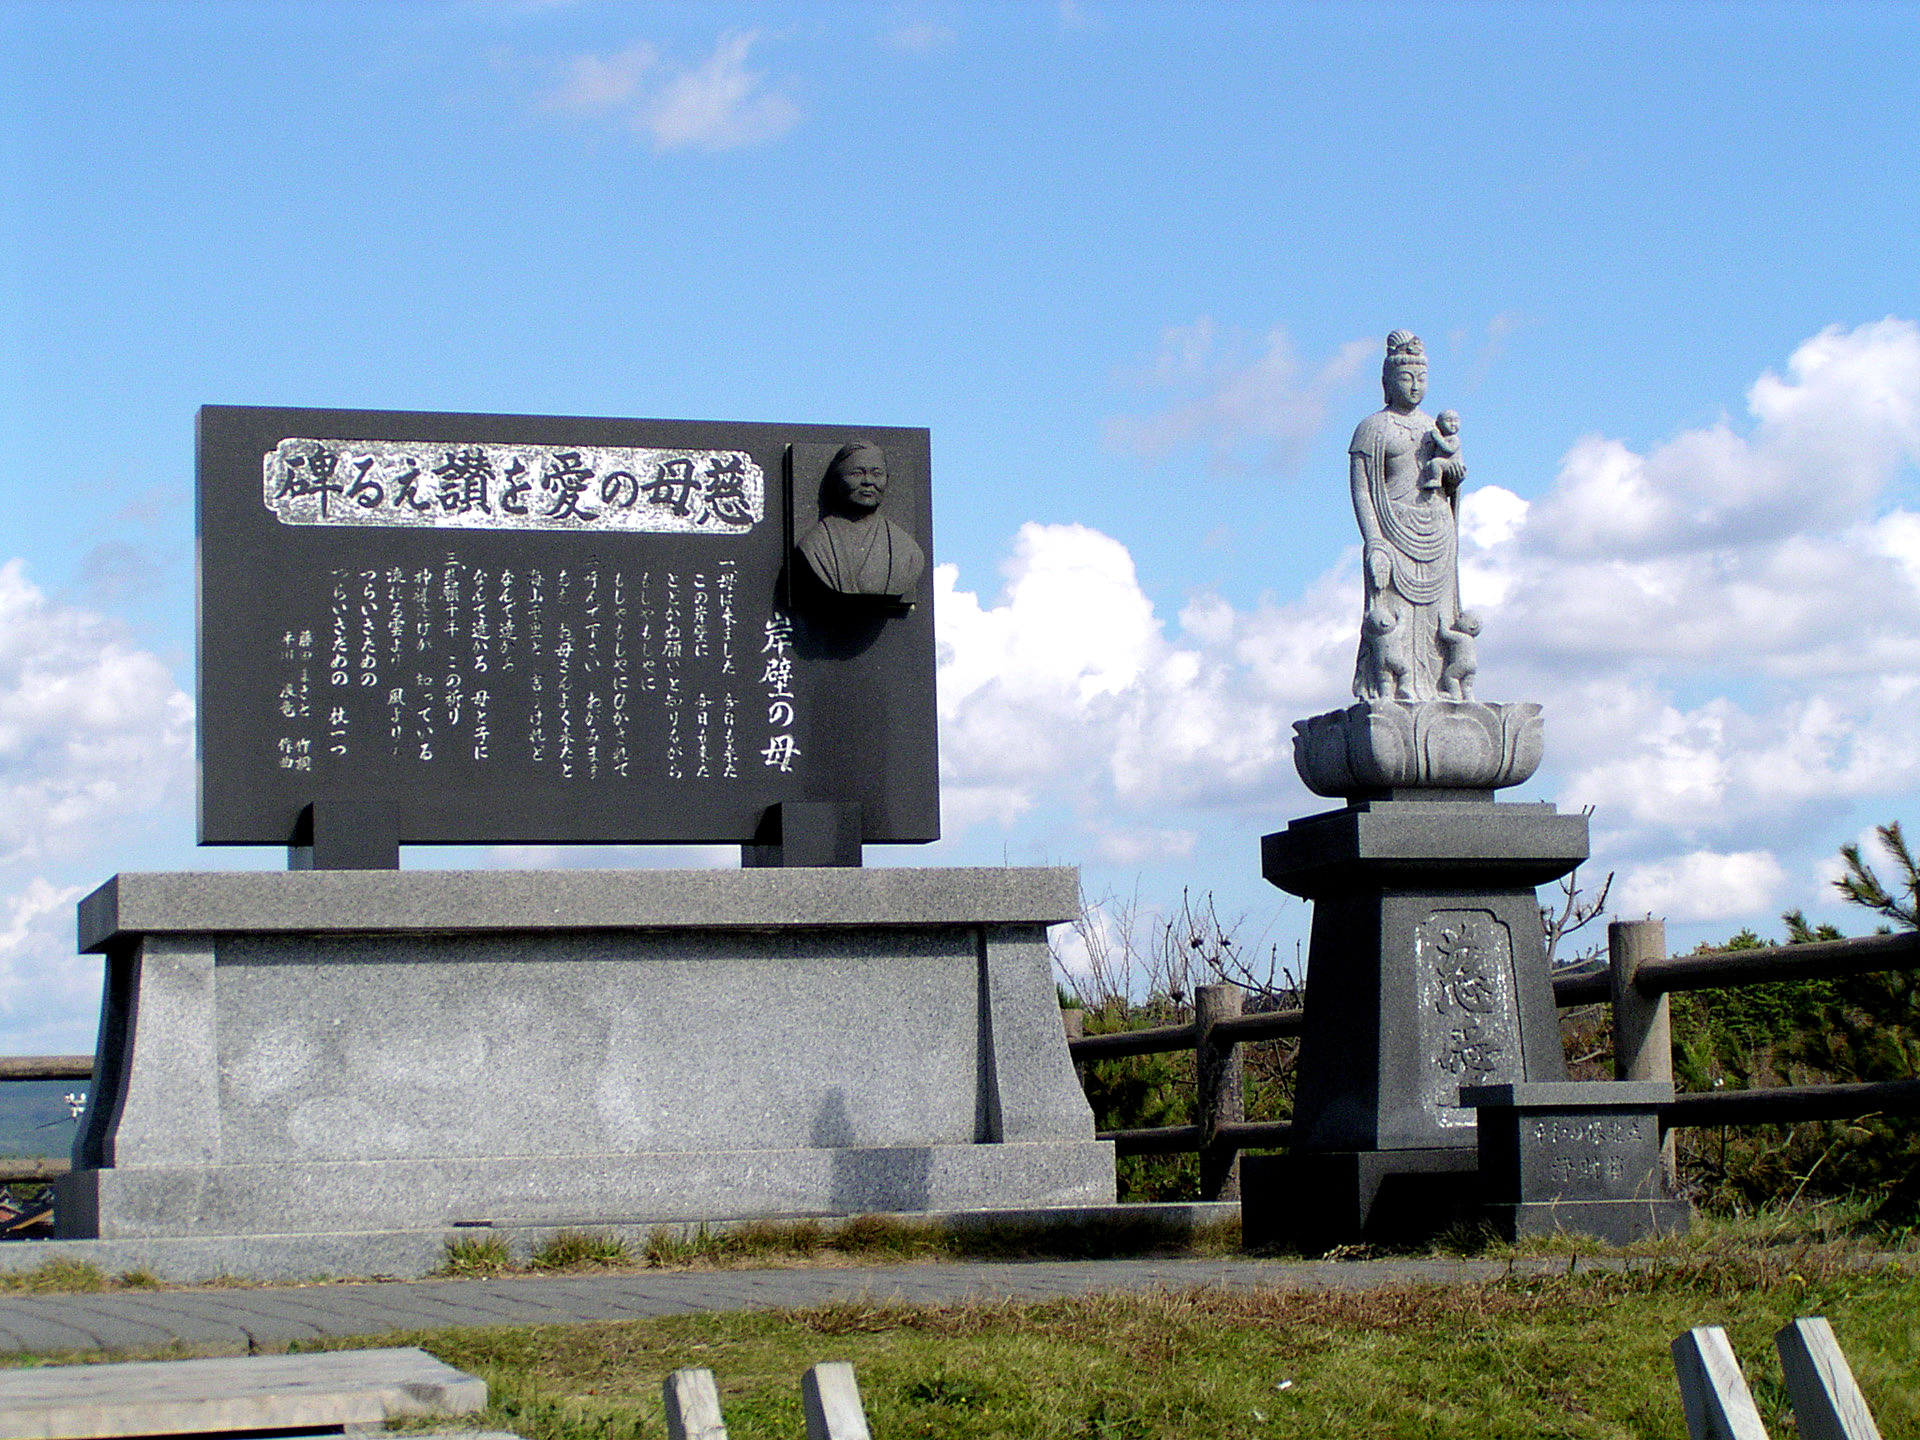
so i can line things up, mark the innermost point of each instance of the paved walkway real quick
(240, 1319)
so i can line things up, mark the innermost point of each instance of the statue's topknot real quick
(1404, 347)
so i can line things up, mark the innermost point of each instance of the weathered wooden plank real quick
(244, 1393)
(832, 1402)
(1713, 1392)
(1787, 1104)
(1822, 960)
(1827, 1403)
(692, 1403)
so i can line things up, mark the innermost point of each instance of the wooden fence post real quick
(1222, 1088)
(831, 1398)
(1642, 1023)
(1827, 1403)
(1713, 1392)
(692, 1404)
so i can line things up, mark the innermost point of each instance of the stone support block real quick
(361, 1050)
(1317, 1200)
(1582, 1158)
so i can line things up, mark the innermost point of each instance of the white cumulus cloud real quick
(49, 994)
(1248, 404)
(1827, 438)
(92, 728)
(1702, 885)
(1069, 685)
(717, 104)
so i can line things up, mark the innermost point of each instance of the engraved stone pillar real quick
(1427, 972)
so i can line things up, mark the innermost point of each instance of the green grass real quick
(581, 1250)
(56, 1275)
(864, 1239)
(1574, 1355)
(471, 1257)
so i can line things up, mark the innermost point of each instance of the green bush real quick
(1859, 1028)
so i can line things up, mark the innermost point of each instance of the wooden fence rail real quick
(1638, 978)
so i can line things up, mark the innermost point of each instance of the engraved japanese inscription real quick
(1468, 1008)
(607, 669)
(455, 485)
(1590, 1157)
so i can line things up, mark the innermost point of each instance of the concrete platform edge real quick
(415, 1254)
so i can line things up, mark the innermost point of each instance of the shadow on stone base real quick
(1315, 1201)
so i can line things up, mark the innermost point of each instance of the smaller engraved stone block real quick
(1575, 1156)
(1381, 745)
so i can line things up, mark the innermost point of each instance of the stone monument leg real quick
(805, 833)
(1427, 973)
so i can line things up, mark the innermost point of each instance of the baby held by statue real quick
(1442, 446)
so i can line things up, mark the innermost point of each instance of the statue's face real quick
(863, 478)
(1407, 385)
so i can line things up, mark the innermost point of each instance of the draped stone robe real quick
(1417, 528)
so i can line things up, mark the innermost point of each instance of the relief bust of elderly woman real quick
(855, 550)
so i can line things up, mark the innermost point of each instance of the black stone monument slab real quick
(1427, 972)
(1583, 1158)
(441, 629)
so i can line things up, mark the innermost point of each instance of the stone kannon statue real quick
(1406, 474)
(855, 550)
(1417, 725)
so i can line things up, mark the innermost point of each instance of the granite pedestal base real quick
(1428, 966)
(334, 1051)
(1427, 972)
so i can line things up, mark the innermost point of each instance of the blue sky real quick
(1132, 265)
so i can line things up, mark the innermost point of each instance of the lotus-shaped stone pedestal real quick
(1386, 745)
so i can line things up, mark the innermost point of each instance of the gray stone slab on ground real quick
(256, 1392)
